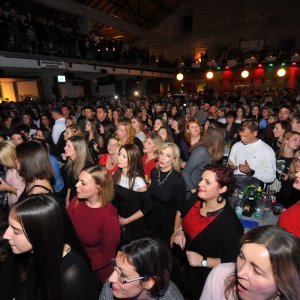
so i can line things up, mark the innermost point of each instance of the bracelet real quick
(179, 229)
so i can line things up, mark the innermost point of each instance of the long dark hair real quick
(48, 228)
(135, 167)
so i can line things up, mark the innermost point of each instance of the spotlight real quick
(116, 97)
(209, 75)
(179, 76)
(281, 72)
(136, 93)
(245, 74)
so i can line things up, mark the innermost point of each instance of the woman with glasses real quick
(141, 272)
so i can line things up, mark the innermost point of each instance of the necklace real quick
(164, 180)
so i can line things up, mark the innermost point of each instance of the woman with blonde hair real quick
(151, 148)
(288, 195)
(12, 183)
(72, 130)
(138, 127)
(167, 191)
(290, 143)
(95, 219)
(78, 157)
(209, 149)
(126, 135)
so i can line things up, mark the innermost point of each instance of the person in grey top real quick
(209, 149)
(141, 271)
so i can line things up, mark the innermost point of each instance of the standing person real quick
(110, 159)
(13, 184)
(95, 218)
(167, 191)
(266, 268)
(139, 127)
(193, 132)
(35, 168)
(142, 270)
(60, 124)
(210, 148)
(93, 139)
(151, 147)
(280, 129)
(132, 200)
(252, 160)
(210, 231)
(53, 264)
(78, 157)
(126, 135)
(166, 134)
(240, 115)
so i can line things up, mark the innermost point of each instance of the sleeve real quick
(55, 134)
(70, 209)
(110, 233)
(59, 183)
(146, 202)
(139, 183)
(180, 193)
(215, 283)
(106, 293)
(198, 160)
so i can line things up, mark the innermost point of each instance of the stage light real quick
(209, 75)
(179, 76)
(218, 68)
(271, 65)
(136, 93)
(281, 72)
(259, 65)
(245, 74)
(116, 97)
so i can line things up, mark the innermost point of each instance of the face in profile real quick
(86, 187)
(122, 132)
(126, 283)
(69, 150)
(254, 273)
(16, 236)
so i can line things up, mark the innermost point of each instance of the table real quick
(249, 222)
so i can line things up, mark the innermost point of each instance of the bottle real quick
(249, 205)
(267, 208)
(260, 206)
(258, 195)
(239, 205)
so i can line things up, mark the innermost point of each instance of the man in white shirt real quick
(252, 159)
(59, 125)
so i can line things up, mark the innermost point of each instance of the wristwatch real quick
(251, 173)
(204, 262)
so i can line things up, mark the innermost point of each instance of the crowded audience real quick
(141, 194)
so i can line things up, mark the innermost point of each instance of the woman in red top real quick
(210, 231)
(95, 219)
(149, 160)
(110, 159)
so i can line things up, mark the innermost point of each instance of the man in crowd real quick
(252, 160)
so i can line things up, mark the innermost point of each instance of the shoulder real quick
(261, 144)
(106, 293)
(138, 183)
(171, 292)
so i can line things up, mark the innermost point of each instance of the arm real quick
(146, 204)
(178, 237)
(195, 260)
(68, 197)
(198, 159)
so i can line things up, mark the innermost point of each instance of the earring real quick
(220, 199)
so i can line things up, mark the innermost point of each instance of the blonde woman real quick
(95, 219)
(167, 191)
(290, 143)
(138, 127)
(151, 148)
(72, 130)
(77, 157)
(288, 195)
(12, 183)
(126, 135)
